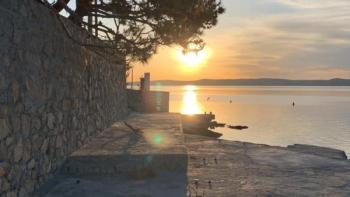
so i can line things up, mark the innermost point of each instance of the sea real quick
(320, 116)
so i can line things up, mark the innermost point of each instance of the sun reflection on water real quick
(190, 104)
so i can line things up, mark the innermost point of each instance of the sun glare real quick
(193, 59)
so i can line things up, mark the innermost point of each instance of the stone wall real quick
(54, 94)
(148, 101)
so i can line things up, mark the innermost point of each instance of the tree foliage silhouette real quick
(139, 27)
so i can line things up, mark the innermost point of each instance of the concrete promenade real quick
(156, 159)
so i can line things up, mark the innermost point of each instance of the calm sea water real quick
(320, 117)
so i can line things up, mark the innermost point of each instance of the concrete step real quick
(157, 146)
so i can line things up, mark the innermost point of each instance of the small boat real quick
(238, 127)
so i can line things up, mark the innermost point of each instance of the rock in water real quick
(238, 127)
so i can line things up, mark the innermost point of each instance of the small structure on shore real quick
(199, 124)
(145, 100)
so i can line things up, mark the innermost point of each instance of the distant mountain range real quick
(256, 82)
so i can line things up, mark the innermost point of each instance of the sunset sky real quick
(295, 39)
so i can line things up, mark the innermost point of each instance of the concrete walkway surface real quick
(155, 159)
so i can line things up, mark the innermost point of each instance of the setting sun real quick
(193, 59)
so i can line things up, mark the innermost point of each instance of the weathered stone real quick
(18, 152)
(22, 192)
(16, 124)
(4, 167)
(59, 117)
(29, 86)
(320, 151)
(15, 91)
(29, 185)
(51, 121)
(36, 123)
(27, 151)
(91, 128)
(2, 172)
(4, 128)
(25, 120)
(31, 164)
(2, 81)
(75, 123)
(5, 185)
(3, 111)
(9, 141)
(59, 142)
(44, 146)
(1, 187)
(12, 194)
(36, 144)
(67, 104)
(3, 152)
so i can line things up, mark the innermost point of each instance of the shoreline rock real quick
(319, 151)
(326, 152)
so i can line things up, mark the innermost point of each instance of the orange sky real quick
(294, 39)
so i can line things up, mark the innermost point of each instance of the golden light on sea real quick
(190, 104)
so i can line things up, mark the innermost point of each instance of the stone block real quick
(67, 104)
(44, 146)
(51, 121)
(3, 152)
(2, 81)
(36, 123)
(16, 123)
(11, 194)
(18, 151)
(3, 109)
(31, 164)
(9, 141)
(5, 185)
(26, 127)
(59, 142)
(4, 129)
(29, 185)
(16, 93)
(4, 167)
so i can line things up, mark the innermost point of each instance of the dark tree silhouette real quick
(139, 27)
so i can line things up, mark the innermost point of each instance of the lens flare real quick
(158, 138)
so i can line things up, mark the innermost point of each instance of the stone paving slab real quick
(157, 145)
(245, 169)
(213, 168)
(166, 184)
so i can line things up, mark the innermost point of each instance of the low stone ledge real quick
(319, 151)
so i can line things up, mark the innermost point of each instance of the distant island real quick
(255, 82)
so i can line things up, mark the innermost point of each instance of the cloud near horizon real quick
(296, 39)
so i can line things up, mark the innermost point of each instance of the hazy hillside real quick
(257, 82)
